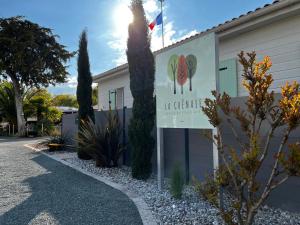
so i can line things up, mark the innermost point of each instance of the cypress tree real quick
(84, 89)
(141, 69)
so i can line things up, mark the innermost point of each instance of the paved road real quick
(37, 190)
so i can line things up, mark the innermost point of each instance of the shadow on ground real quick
(70, 198)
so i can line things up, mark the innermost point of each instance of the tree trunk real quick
(19, 108)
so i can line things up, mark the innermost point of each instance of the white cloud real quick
(72, 82)
(152, 8)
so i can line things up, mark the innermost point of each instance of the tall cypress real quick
(84, 89)
(141, 69)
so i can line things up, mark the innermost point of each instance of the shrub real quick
(92, 142)
(102, 143)
(177, 182)
(57, 138)
(240, 165)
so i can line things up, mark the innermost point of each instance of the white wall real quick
(121, 81)
(279, 40)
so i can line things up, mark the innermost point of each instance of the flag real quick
(157, 21)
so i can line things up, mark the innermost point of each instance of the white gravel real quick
(191, 209)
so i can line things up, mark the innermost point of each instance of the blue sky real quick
(106, 22)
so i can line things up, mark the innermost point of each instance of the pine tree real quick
(141, 69)
(84, 89)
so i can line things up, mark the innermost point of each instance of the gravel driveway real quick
(35, 189)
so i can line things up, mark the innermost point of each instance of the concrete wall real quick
(280, 40)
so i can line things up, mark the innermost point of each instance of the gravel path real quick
(190, 210)
(37, 190)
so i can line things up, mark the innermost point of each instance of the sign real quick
(185, 76)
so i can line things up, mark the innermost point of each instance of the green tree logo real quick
(172, 69)
(181, 68)
(191, 62)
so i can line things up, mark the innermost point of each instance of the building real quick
(272, 30)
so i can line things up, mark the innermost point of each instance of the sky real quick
(107, 21)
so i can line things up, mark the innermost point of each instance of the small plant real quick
(57, 141)
(237, 176)
(177, 182)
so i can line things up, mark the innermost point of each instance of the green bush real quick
(177, 182)
(102, 142)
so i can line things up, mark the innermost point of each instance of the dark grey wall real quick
(200, 153)
(69, 127)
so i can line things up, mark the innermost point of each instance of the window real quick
(116, 99)
(112, 99)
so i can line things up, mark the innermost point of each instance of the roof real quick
(258, 12)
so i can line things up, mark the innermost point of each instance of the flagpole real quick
(162, 22)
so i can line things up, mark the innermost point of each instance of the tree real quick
(38, 103)
(30, 56)
(65, 100)
(237, 174)
(141, 70)
(84, 89)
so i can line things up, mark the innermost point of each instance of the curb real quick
(144, 211)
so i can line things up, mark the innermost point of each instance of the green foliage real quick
(30, 56)
(65, 100)
(24, 59)
(102, 142)
(84, 89)
(38, 103)
(113, 137)
(141, 70)
(240, 165)
(7, 103)
(95, 95)
(291, 161)
(177, 182)
(209, 189)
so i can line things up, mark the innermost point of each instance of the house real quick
(272, 30)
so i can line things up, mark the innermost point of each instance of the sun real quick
(122, 17)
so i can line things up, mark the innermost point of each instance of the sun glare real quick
(122, 18)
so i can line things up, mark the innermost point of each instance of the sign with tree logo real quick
(185, 76)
